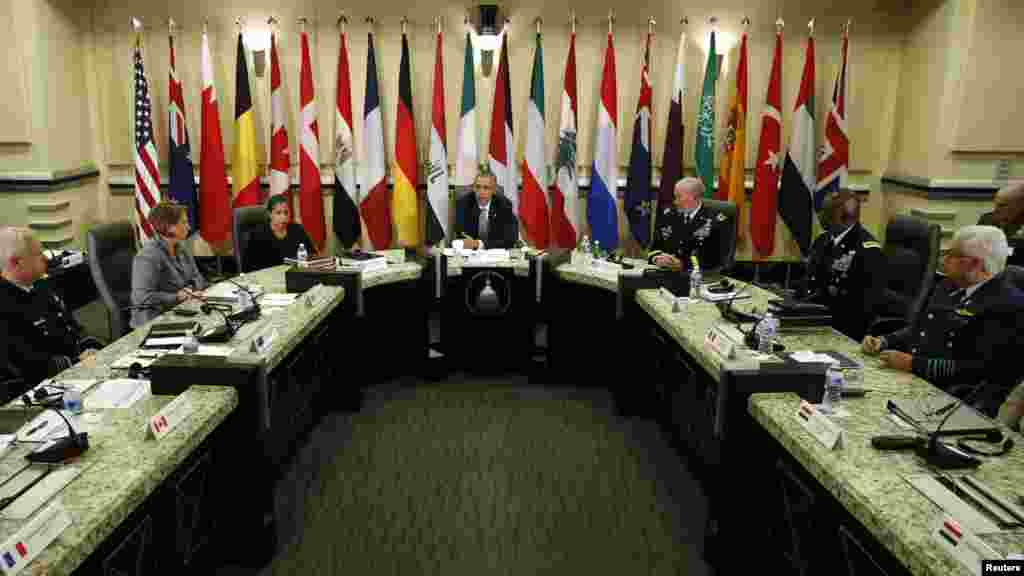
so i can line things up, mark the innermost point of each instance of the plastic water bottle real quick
(302, 255)
(833, 390)
(695, 283)
(587, 254)
(72, 400)
(766, 333)
(191, 345)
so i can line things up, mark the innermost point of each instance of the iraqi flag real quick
(638, 203)
(834, 164)
(672, 155)
(467, 154)
(501, 149)
(404, 201)
(375, 205)
(437, 184)
(214, 194)
(347, 225)
(245, 168)
(280, 162)
(565, 210)
(764, 203)
(182, 187)
(602, 208)
(798, 173)
(311, 200)
(533, 207)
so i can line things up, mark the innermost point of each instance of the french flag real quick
(602, 209)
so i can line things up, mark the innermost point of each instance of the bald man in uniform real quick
(689, 228)
(1008, 215)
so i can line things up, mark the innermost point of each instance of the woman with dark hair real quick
(279, 239)
(164, 271)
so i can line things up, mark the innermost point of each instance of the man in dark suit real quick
(1008, 214)
(846, 271)
(690, 228)
(485, 219)
(969, 334)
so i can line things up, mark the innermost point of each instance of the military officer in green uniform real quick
(967, 339)
(690, 228)
(846, 269)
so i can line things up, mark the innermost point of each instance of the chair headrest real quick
(907, 230)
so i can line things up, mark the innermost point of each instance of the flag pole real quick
(573, 20)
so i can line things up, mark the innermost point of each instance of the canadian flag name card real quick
(167, 418)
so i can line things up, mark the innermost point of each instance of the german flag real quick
(405, 203)
(245, 169)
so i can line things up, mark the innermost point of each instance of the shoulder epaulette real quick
(872, 244)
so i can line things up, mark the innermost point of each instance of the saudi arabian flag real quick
(704, 150)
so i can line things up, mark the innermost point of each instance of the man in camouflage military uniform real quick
(846, 271)
(690, 228)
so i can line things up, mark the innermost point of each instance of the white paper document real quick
(278, 300)
(143, 357)
(169, 341)
(807, 356)
(117, 393)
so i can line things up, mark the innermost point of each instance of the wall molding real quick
(946, 189)
(46, 181)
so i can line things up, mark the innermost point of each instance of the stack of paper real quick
(721, 297)
(807, 356)
(117, 393)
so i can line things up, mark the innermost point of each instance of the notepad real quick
(117, 393)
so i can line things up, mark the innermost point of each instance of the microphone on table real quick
(61, 449)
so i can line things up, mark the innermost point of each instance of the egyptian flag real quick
(834, 164)
(732, 175)
(245, 168)
(565, 216)
(405, 203)
(183, 184)
(347, 225)
(375, 205)
(638, 190)
(764, 210)
(501, 149)
(280, 163)
(311, 200)
(672, 154)
(799, 174)
(533, 209)
(602, 207)
(437, 185)
(214, 195)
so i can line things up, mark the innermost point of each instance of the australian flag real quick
(182, 188)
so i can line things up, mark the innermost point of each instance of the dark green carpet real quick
(487, 476)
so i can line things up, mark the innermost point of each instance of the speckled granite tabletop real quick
(597, 276)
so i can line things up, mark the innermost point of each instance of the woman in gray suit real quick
(164, 271)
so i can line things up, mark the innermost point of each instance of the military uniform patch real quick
(872, 245)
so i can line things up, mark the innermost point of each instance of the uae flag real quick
(533, 208)
(437, 186)
(280, 162)
(245, 169)
(638, 201)
(405, 203)
(798, 173)
(834, 165)
(214, 194)
(311, 201)
(672, 155)
(732, 176)
(602, 207)
(347, 225)
(565, 211)
(501, 149)
(764, 211)
(375, 205)
(467, 154)
(704, 150)
(183, 183)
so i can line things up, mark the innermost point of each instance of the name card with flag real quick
(824, 430)
(22, 547)
(167, 418)
(961, 543)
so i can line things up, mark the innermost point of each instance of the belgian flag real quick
(245, 169)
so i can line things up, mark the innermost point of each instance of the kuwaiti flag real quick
(764, 203)
(437, 185)
(280, 163)
(183, 181)
(245, 168)
(467, 154)
(214, 194)
(833, 167)
(501, 149)
(533, 206)
(798, 173)
(375, 205)
(347, 224)
(638, 203)
(404, 200)
(565, 210)
(311, 200)
(672, 155)
(602, 208)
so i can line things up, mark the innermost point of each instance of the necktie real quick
(483, 224)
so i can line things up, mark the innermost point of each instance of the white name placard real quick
(25, 544)
(167, 418)
(716, 340)
(961, 543)
(826, 431)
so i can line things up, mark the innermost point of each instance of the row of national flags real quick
(789, 187)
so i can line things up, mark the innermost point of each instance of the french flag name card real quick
(24, 545)
(962, 544)
(826, 431)
(167, 418)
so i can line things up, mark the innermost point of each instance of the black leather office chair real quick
(728, 255)
(244, 221)
(111, 251)
(1015, 274)
(911, 257)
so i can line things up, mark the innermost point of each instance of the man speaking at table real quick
(969, 334)
(690, 228)
(485, 219)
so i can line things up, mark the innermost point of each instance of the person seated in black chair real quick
(485, 219)
(38, 335)
(969, 334)
(846, 270)
(279, 239)
(689, 228)
(1008, 214)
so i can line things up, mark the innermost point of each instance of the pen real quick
(944, 409)
(36, 428)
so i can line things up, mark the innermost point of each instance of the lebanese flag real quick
(799, 172)
(279, 161)
(602, 207)
(214, 194)
(501, 149)
(763, 211)
(376, 203)
(834, 165)
(311, 201)
(437, 184)
(533, 210)
(347, 223)
(565, 217)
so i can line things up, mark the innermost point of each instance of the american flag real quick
(147, 171)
